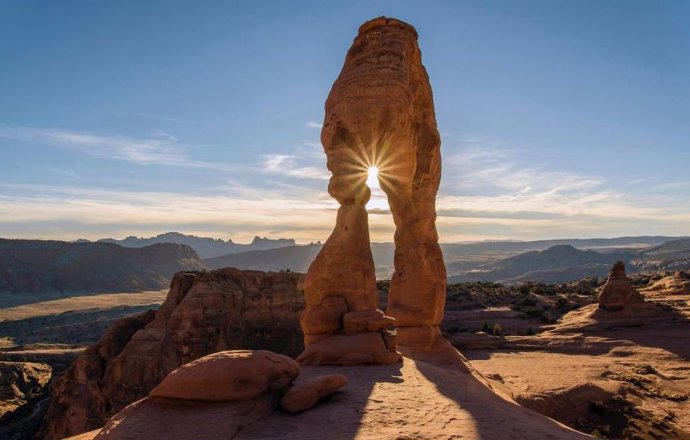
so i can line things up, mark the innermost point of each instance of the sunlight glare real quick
(373, 179)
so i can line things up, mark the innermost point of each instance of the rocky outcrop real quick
(204, 312)
(22, 386)
(618, 293)
(20, 381)
(379, 113)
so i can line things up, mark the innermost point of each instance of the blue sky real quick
(558, 118)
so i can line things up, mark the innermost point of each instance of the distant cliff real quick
(58, 266)
(206, 247)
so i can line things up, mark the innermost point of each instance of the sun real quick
(373, 177)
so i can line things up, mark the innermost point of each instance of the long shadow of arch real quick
(431, 395)
(495, 415)
(340, 415)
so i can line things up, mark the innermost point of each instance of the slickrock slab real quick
(159, 419)
(413, 400)
(307, 393)
(228, 376)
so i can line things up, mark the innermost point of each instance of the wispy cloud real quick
(241, 215)
(313, 124)
(484, 170)
(164, 149)
(288, 165)
(67, 173)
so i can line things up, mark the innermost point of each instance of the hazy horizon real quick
(303, 243)
(558, 119)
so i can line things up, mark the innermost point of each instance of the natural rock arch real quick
(380, 112)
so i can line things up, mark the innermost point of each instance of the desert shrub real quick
(528, 302)
(534, 313)
(497, 330)
(562, 303)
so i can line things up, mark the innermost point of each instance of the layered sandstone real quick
(379, 113)
(618, 293)
(204, 312)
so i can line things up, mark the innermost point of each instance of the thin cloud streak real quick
(164, 150)
(288, 165)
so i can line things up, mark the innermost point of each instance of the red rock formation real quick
(214, 396)
(229, 375)
(204, 312)
(380, 112)
(307, 393)
(618, 293)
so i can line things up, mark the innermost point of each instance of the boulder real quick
(307, 393)
(359, 349)
(370, 320)
(229, 375)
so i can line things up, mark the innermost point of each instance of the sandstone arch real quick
(379, 112)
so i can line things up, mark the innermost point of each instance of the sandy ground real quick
(644, 363)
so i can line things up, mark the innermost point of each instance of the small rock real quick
(307, 393)
(368, 320)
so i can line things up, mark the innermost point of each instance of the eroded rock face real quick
(380, 113)
(618, 293)
(204, 312)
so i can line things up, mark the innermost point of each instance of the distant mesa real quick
(206, 247)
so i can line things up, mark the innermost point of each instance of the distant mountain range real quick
(148, 263)
(545, 260)
(204, 246)
(39, 266)
(556, 264)
(672, 255)
(294, 258)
